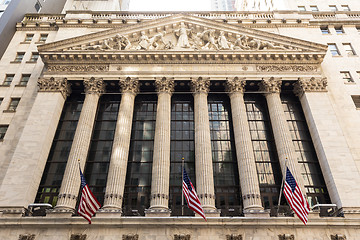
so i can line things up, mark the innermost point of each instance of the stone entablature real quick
(310, 85)
(55, 85)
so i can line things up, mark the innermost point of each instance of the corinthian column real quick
(284, 144)
(203, 156)
(244, 150)
(71, 182)
(161, 160)
(120, 150)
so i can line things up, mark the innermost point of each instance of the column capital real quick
(164, 85)
(313, 84)
(94, 85)
(235, 84)
(129, 85)
(200, 85)
(55, 85)
(270, 85)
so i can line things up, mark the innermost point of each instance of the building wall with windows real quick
(128, 97)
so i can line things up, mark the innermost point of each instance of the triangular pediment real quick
(183, 34)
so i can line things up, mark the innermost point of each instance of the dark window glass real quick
(8, 79)
(310, 169)
(325, 30)
(34, 57)
(98, 161)
(24, 79)
(13, 104)
(226, 175)
(19, 57)
(139, 169)
(267, 163)
(60, 149)
(1, 99)
(29, 37)
(339, 30)
(3, 129)
(43, 37)
(182, 146)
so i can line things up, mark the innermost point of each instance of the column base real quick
(211, 213)
(12, 212)
(157, 212)
(257, 213)
(109, 213)
(60, 213)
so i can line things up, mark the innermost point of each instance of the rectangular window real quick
(333, 49)
(34, 57)
(43, 37)
(19, 57)
(333, 8)
(8, 79)
(314, 8)
(339, 30)
(345, 7)
(3, 129)
(302, 8)
(325, 30)
(1, 99)
(13, 104)
(346, 77)
(356, 99)
(24, 79)
(29, 37)
(349, 49)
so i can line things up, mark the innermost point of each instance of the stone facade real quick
(93, 54)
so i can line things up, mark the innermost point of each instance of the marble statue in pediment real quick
(223, 42)
(182, 33)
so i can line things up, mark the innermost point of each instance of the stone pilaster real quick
(244, 150)
(120, 150)
(22, 179)
(71, 182)
(203, 156)
(284, 144)
(161, 159)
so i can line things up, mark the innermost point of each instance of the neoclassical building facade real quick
(132, 98)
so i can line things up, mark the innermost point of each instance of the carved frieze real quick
(181, 237)
(94, 85)
(200, 85)
(338, 237)
(27, 237)
(130, 237)
(235, 85)
(164, 85)
(310, 85)
(270, 85)
(55, 85)
(286, 68)
(78, 68)
(130, 85)
(78, 237)
(234, 237)
(286, 237)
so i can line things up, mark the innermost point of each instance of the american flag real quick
(88, 204)
(295, 198)
(191, 196)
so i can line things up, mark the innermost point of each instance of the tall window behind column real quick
(138, 176)
(97, 164)
(226, 175)
(59, 153)
(182, 146)
(267, 164)
(310, 169)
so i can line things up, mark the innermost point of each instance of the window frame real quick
(314, 8)
(346, 76)
(332, 51)
(349, 50)
(339, 29)
(325, 30)
(6, 82)
(19, 57)
(24, 83)
(333, 8)
(34, 57)
(345, 8)
(302, 8)
(3, 130)
(28, 37)
(14, 103)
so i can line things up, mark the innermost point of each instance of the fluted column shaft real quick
(284, 144)
(120, 151)
(80, 146)
(203, 156)
(161, 157)
(244, 150)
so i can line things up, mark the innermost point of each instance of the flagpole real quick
(182, 185)
(282, 185)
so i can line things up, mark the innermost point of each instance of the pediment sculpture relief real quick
(184, 38)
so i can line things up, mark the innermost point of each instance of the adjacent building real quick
(235, 98)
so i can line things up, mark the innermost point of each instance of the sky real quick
(170, 5)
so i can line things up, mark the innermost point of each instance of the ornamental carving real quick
(338, 237)
(234, 237)
(129, 85)
(78, 68)
(286, 68)
(235, 85)
(94, 85)
(200, 85)
(164, 85)
(130, 237)
(55, 85)
(271, 85)
(286, 237)
(182, 37)
(78, 237)
(310, 85)
(181, 237)
(27, 237)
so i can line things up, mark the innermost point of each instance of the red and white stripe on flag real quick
(88, 204)
(295, 198)
(193, 200)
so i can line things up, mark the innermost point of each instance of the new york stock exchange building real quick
(234, 97)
